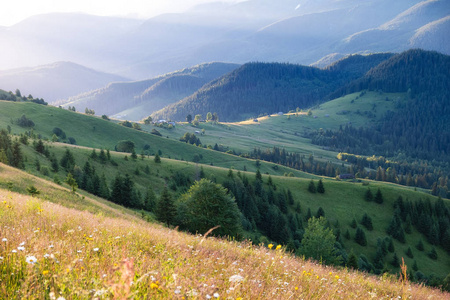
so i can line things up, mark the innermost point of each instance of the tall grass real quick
(49, 251)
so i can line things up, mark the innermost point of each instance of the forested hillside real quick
(419, 126)
(264, 88)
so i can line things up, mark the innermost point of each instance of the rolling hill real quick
(56, 81)
(138, 99)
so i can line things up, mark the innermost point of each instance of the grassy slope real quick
(342, 201)
(83, 255)
(283, 132)
(95, 132)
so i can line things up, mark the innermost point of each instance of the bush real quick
(125, 146)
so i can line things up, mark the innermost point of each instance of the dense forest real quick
(263, 88)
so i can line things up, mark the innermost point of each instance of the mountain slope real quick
(419, 125)
(135, 100)
(55, 81)
(258, 88)
(395, 34)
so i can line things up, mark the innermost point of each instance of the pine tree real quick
(395, 261)
(308, 215)
(353, 224)
(347, 234)
(150, 200)
(320, 187)
(352, 261)
(320, 213)
(157, 158)
(433, 254)
(409, 253)
(379, 197)
(367, 222)
(360, 237)
(165, 209)
(312, 187)
(368, 196)
(414, 266)
(391, 247)
(420, 246)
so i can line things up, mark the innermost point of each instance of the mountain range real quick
(286, 31)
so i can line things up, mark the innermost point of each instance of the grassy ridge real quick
(98, 133)
(78, 255)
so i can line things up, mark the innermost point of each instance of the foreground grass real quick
(48, 251)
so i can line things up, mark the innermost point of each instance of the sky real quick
(14, 11)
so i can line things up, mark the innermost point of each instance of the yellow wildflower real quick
(45, 272)
(296, 288)
(337, 277)
(270, 246)
(153, 286)
(278, 247)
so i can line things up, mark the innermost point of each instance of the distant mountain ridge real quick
(138, 99)
(55, 81)
(299, 32)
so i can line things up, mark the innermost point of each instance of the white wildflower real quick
(21, 248)
(31, 259)
(96, 249)
(216, 295)
(4, 239)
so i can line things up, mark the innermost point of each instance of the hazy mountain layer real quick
(285, 31)
(55, 81)
(138, 99)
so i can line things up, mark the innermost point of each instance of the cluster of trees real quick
(433, 221)
(133, 125)
(88, 111)
(17, 96)
(191, 139)
(10, 152)
(404, 170)
(23, 121)
(296, 161)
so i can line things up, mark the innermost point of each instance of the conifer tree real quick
(353, 224)
(409, 253)
(157, 158)
(367, 222)
(320, 187)
(165, 209)
(320, 213)
(352, 261)
(150, 200)
(360, 237)
(312, 187)
(368, 196)
(379, 197)
(395, 261)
